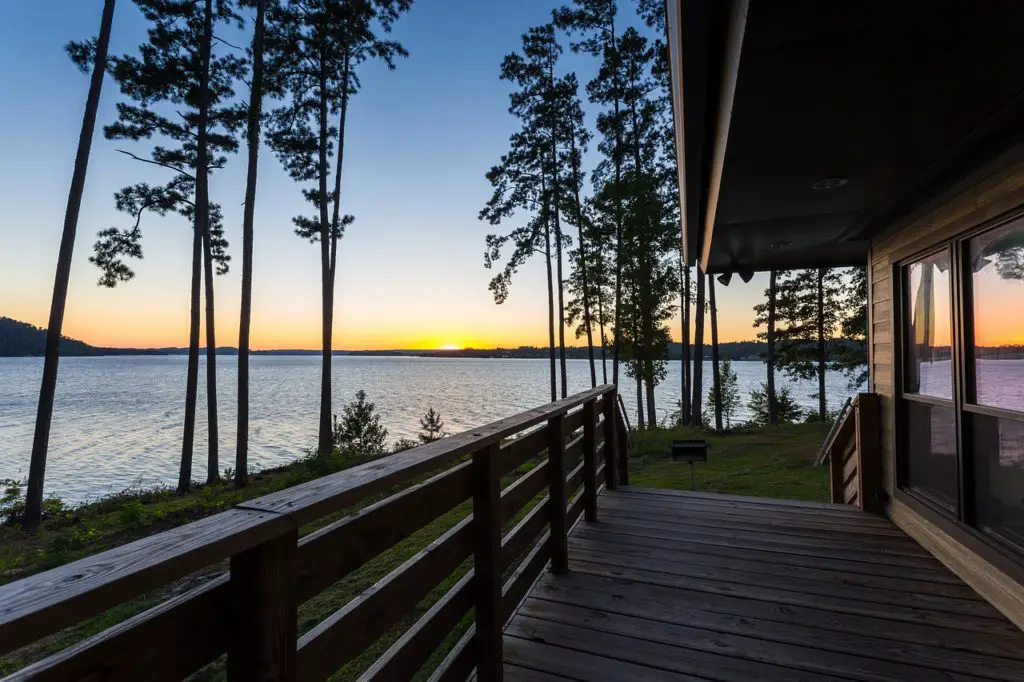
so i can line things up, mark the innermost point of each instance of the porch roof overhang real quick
(803, 128)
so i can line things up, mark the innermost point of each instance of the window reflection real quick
(999, 476)
(931, 448)
(997, 261)
(928, 365)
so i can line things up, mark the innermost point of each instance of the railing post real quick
(556, 476)
(611, 478)
(623, 450)
(487, 562)
(590, 460)
(263, 630)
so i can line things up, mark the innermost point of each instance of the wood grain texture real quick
(590, 460)
(525, 575)
(524, 533)
(645, 598)
(329, 554)
(1004, 593)
(263, 612)
(526, 487)
(487, 564)
(558, 496)
(346, 633)
(609, 409)
(192, 628)
(47, 602)
(459, 662)
(408, 654)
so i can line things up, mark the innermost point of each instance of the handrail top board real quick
(41, 604)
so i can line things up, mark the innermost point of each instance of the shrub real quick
(359, 431)
(788, 411)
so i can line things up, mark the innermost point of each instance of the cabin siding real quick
(994, 194)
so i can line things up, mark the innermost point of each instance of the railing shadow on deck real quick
(250, 612)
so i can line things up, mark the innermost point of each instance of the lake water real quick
(118, 420)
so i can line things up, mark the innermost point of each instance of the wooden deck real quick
(694, 586)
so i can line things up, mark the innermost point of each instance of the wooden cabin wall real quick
(989, 195)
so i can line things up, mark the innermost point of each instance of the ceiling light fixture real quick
(830, 183)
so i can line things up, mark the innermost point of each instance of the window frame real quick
(962, 525)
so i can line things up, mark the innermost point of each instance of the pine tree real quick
(253, 122)
(716, 387)
(328, 41)
(851, 355)
(808, 308)
(765, 315)
(698, 353)
(528, 178)
(431, 427)
(94, 52)
(594, 21)
(178, 66)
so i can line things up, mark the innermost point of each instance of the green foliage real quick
(789, 412)
(168, 74)
(851, 356)
(359, 432)
(431, 427)
(731, 400)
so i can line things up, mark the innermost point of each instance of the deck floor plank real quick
(671, 585)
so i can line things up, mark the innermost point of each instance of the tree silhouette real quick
(764, 315)
(528, 178)
(594, 21)
(328, 40)
(254, 119)
(431, 426)
(809, 310)
(178, 71)
(94, 51)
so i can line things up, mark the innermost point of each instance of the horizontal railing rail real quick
(512, 527)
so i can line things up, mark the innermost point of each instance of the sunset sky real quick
(410, 271)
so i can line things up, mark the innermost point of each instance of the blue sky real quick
(419, 142)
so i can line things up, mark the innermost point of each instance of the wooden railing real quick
(855, 456)
(251, 612)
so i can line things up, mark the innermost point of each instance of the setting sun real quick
(451, 346)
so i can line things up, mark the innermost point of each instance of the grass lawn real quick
(767, 462)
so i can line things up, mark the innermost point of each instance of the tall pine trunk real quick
(604, 341)
(587, 321)
(44, 413)
(200, 235)
(715, 369)
(773, 409)
(336, 218)
(245, 318)
(640, 424)
(551, 307)
(822, 353)
(561, 305)
(652, 412)
(617, 156)
(212, 456)
(325, 441)
(698, 353)
(684, 403)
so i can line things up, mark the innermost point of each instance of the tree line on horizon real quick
(627, 277)
(184, 108)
